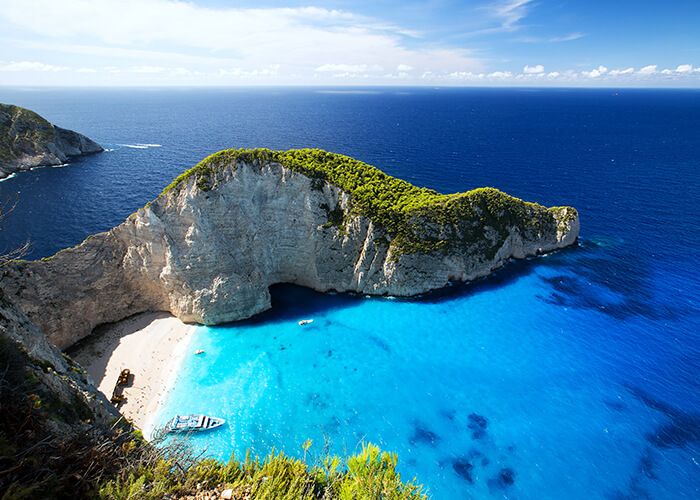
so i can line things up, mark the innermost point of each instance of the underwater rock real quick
(421, 435)
(477, 424)
(504, 479)
(463, 468)
(684, 427)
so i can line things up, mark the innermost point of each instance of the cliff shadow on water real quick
(292, 302)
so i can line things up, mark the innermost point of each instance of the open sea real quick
(571, 376)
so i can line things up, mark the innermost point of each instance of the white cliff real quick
(209, 247)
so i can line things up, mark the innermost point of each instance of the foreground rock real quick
(210, 246)
(27, 140)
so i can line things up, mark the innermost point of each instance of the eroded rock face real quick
(27, 140)
(209, 256)
(53, 372)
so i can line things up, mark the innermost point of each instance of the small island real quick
(27, 141)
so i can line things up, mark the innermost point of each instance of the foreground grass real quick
(370, 474)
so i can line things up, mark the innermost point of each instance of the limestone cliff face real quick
(27, 140)
(208, 249)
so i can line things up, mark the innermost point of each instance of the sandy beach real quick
(150, 345)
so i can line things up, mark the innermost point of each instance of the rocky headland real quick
(210, 246)
(27, 141)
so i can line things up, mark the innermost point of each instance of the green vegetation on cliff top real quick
(416, 219)
(21, 128)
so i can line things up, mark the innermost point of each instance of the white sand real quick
(151, 346)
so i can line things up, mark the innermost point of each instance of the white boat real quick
(187, 423)
(305, 322)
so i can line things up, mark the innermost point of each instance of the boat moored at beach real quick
(188, 423)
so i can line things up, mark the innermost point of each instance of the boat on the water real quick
(305, 322)
(187, 423)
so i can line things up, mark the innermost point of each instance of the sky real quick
(588, 43)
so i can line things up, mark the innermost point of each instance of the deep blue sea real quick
(575, 375)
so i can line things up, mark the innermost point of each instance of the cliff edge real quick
(208, 248)
(27, 140)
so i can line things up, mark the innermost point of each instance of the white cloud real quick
(349, 68)
(510, 12)
(533, 69)
(601, 70)
(648, 70)
(158, 31)
(148, 69)
(501, 75)
(404, 67)
(684, 68)
(32, 66)
(616, 72)
(567, 38)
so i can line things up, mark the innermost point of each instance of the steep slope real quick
(55, 437)
(27, 140)
(210, 246)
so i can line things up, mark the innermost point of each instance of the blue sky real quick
(610, 43)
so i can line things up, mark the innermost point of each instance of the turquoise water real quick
(463, 385)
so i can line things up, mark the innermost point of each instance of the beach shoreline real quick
(152, 346)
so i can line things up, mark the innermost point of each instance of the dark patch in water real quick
(684, 427)
(316, 401)
(645, 470)
(504, 479)
(646, 466)
(477, 424)
(591, 279)
(449, 414)
(330, 353)
(422, 435)
(615, 405)
(382, 345)
(333, 426)
(463, 468)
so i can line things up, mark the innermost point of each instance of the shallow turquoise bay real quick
(466, 385)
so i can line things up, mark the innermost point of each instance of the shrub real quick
(414, 219)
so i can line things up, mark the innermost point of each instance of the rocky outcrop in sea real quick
(208, 249)
(27, 140)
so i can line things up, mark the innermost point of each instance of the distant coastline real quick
(29, 141)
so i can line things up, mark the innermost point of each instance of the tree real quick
(7, 255)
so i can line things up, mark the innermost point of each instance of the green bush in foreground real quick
(369, 475)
